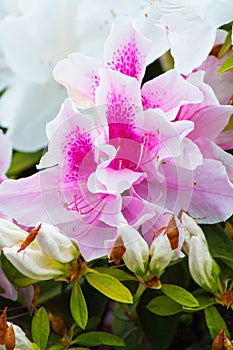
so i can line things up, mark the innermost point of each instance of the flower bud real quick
(136, 255)
(221, 342)
(203, 268)
(161, 254)
(21, 341)
(41, 256)
(56, 245)
(191, 229)
(34, 264)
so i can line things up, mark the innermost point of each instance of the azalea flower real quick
(21, 341)
(189, 103)
(129, 159)
(182, 25)
(41, 33)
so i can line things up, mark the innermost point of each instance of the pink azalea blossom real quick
(189, 103)
(132, 158)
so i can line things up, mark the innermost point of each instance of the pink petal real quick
(210, 121)
(225, 139)
(79, 74)
(212, 195)
(39, 197)
(9, 291)
(126, 49)
(211, 151)
(169, 92)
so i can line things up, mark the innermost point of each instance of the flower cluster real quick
(132, 163)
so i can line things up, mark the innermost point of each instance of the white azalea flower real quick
(33, 38)
(21, 341)
(187, 27)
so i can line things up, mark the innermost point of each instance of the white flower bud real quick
(10, 234)
(203, 269)
(191, 229)
(34, 264)
(21, 341)
(54, 244)
(136, 256)
(161, 254)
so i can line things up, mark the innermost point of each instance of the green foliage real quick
(179, 295)
(220, 244)
(110, 287)
(78, 306)
(226, 45)
(99, 338)
(214, 321)
(117, 273)
(40, 328)
(16, 277)
(22, 161)
(164, 306)
(227, 65)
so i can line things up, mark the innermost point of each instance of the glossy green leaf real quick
(56, 347)
(41, 328)
(110, 287)
(78, 306)
(203, 301)
(22, 161)
(220, 244)
(214, 321)
(99, 338)
(227, 65)
(164, 306)
(179, 295)
(226, 45)
(119, 274)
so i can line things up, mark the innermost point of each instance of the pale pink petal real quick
(169, 92)
(210, 150)
(5, 153)
(39, 197)
(9, 291)
(117, 181)
(90, 239)
(225, 139)
(137, 211)
(165, 137)
(210, 121)
(126, 49)
(116, 87)
(79, 74)
(212, 195)
(222, 84)
(191, 156)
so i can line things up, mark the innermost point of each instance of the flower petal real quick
(6, 153)
(79, 74)
(126, 49)
(169, 92)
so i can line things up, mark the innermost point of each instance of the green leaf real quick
(110, 287)
(99, 338)
(164, 306)
(22, 161)
(78, 306)
(220, 244)
(119, 274)
(203, 301)
(226, 46)
(227, 65)
(56, 347)
(179, 295)
(214, 321)
(41, 328)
